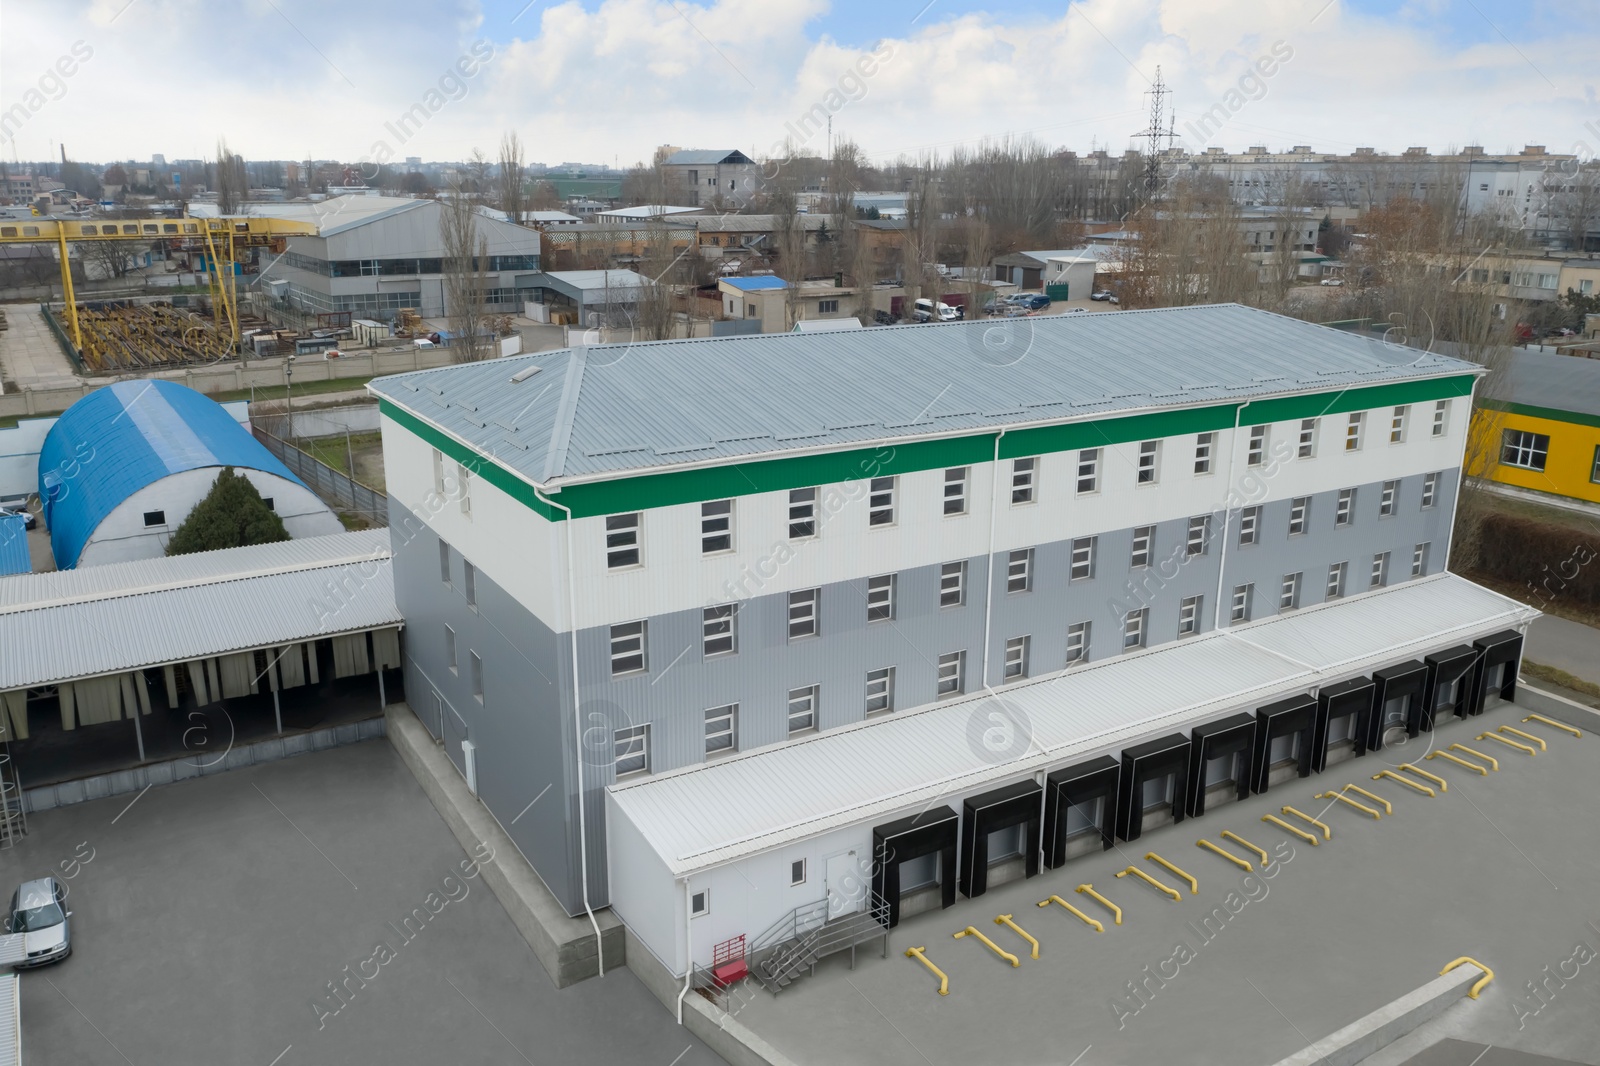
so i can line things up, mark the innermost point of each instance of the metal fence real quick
(337, 489)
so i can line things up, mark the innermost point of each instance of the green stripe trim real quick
(646, 491)
(1548, 413)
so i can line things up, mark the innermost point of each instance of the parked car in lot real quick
(1331, 281)
(926, 310)
(884, 318)
(1102, 295)
(36, 909)
(1033, 301)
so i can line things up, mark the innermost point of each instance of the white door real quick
(848, 883)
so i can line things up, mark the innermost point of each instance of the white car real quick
(1331, 281)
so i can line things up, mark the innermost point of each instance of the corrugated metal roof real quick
(124, 437)
(1559, 382)
(591, 280)
(11, 1018)
(644, 405)
(873, 770)
(144, 613)
(14, 557)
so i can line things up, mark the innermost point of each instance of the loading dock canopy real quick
(103, 620)
(869, 772)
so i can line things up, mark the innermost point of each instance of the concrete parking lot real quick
(1256, 966)
(314, 910)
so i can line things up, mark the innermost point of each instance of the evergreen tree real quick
(232, 514)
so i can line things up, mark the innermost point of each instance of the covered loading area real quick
(704, 855)
(111, 667)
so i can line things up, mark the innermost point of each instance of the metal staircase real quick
(805, 936)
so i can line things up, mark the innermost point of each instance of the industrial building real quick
(805, 627)
(122, 468)
(1545, 437)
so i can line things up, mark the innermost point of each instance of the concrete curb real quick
(1365, 1036)
(565, 946)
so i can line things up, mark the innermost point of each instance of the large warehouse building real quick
(813, 624)
(124, 466)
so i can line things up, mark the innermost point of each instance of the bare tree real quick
(466, 262)
(513, 195)
(788, 232)
(1189, 250)
(655, 313)
(233, 184)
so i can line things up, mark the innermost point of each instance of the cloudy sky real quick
(607, 80)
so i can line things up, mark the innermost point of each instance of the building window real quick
(880, 598)
(1189, 616)
(1397, 424)
(444, 562)
(622, 540)
(1419, 560)
(719, 629)
(1242, 595)
(1088, 470)
(1148, 451)
(1022, 474)
(1352, 431)
(1019, 570)
(953, 584)
(1594, 469)
(802, 709)
(438, 473)
(631, 755)
(1249, 525)
(1083, 558)
(1289, 597)
(155, 518)
(699, 902)
(1525, 450)
(952, 674)
(1016, 663)
(450, 648)
(802, 513)
(797, 872)
(1308, 438)
(1077, 643)
(720, 725)
(1336, 574)
(1430, 485)
(469, 583)
(464, 479)
(477, 675)
(1199, 536)
(1386, 502)
(1258, 446)
(1380, 570)
(1441, 417)
(1143, 543)
(1204, 444)
(716, 526)
(880, 503)
(627, 648)
(1299, 512)
(803, 613)
(1345, 512)
(827, 307)
(955, 490)
(1133, 629)
(880, 690)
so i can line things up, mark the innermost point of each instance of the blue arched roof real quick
(119, 439)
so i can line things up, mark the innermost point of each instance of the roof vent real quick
(525, 373)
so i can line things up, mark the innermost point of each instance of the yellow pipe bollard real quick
(1494, 764)
(1281, 824)
(1458, 760)
(1525, 736)
(1411, 768)
(1488, 974)
(1088, 890)
(1552, 722)
(944, 982)
(1086, 919)
(1327, 834)
(972, 930)
(1194, 886)
(1388, 808)
(1174, 893)
(1005, 920)
(1230, 856)
(1346, 799)
(1229, 834)
(1396, 777)
(1507, 743)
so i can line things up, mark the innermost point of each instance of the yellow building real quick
(1545, 435)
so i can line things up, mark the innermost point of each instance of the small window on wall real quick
(1397, 424)
(1352, 431)
(1022, 471)
(1430, 484)
(477, 675)
(268, 501)
(1441, 417)
(955, 490)
(1203, 445)
(1525, 450)
(716, 527)
(797, 872)
(1088, 470)
(1257, 453)
(1016, 660)
(1189, 616)
(1308, 438)
(469, 583)
(444, 562)
(1594, 468)
(465, 477)
(802, 513)
(700, 903)
(1149, 453)
(622, 540)
(880, 690)
(155, 518)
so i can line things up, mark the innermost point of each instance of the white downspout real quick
(1222, 557)
(688, 946)
(988, 595)
(577, 730)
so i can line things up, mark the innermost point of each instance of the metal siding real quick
(14, 558)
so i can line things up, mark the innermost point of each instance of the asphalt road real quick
(1565, 645)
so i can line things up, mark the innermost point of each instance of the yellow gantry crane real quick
(222, 239)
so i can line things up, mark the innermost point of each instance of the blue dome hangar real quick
(124, 466)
